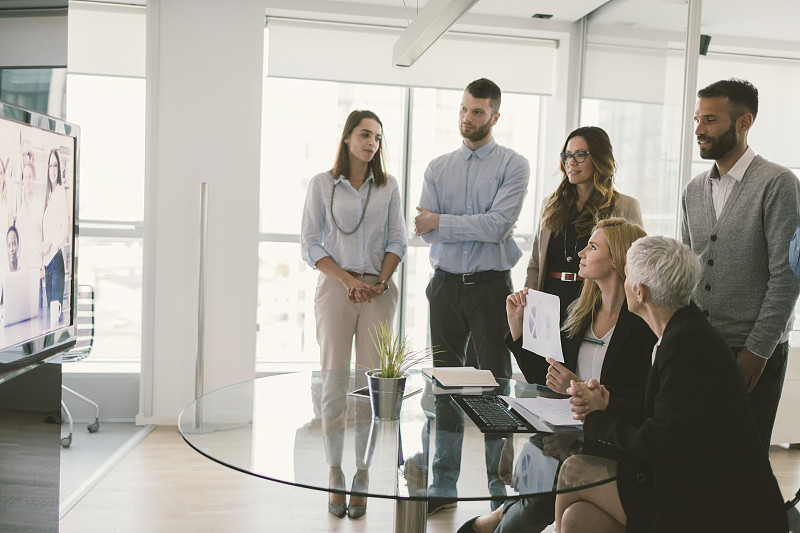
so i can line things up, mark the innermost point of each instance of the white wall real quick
(205, 63)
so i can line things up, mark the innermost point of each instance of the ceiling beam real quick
(431, 23)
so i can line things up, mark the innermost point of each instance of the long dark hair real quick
(341, 166)
(600, 203)
(49, 188)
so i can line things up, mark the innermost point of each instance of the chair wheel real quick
(93, 427)
(66, 441)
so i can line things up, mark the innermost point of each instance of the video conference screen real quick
(37, 180)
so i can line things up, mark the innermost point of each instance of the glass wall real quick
(633, 89)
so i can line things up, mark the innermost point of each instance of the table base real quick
(410, 516)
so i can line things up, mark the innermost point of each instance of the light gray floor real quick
(92, 455)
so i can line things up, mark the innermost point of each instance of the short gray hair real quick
(668, 268)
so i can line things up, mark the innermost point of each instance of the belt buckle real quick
(464, 279)
(568, 276)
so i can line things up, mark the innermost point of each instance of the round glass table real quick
(292, 428)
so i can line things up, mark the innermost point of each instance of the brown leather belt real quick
(566, 276)
(358, 275)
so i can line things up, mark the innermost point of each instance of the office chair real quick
(84, 322)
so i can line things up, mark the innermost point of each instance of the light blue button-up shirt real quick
(479, 196)
(383, 229)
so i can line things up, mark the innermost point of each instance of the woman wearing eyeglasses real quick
(585, 196)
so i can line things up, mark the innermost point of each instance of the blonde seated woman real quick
(705, 467)
(600, 340)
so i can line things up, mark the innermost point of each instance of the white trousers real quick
(338, 320)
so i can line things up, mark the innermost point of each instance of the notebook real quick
(458, 376)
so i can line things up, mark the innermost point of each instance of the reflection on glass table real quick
(297, 428)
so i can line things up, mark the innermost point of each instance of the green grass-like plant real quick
(395, 356)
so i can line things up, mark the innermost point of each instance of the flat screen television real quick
(39, 161)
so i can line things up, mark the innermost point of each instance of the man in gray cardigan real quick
(739, 217)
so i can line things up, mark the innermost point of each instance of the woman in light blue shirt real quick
(354, 233)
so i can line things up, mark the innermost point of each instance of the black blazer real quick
(625, 366)
(699, 437)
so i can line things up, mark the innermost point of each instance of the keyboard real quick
(491, 414)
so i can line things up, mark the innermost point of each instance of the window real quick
(39, 89)
(106, 98)
(632, 87)
(646, 170)
(434, 124)
(297, 146)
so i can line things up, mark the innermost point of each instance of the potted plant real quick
(387, 381)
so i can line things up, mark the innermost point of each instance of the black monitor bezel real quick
(63, 338)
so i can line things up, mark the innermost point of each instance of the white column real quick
(205, 64)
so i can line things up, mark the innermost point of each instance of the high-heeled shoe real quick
(467, 527)
(360, 484)
(336, 481)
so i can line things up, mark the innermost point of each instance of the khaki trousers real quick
(338, 320)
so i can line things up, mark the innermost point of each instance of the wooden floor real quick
(165, 486)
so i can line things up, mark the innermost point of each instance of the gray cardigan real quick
(747, 290)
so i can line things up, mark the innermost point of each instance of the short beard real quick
(478, 133)
(721, 145)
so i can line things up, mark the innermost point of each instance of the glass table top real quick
(292, 428)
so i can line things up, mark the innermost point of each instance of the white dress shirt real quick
(722, 186)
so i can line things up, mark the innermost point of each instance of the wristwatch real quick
(385, 283)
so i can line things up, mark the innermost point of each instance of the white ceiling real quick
(562, 10)
(725, 20)
(769, 20)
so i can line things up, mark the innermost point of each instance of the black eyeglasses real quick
(579, 156)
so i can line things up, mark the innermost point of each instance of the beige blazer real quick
(625, 207)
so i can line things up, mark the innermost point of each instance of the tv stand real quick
(30, 448)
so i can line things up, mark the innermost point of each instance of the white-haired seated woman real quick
(704, 467)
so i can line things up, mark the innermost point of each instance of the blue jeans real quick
(54, 279)
(446, 466)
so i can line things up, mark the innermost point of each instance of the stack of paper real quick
(554, 411)
(457, 376)
(534, 421)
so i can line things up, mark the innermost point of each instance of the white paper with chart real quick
(540, 325)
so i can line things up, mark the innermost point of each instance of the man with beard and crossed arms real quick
(739, 217)
(471, 199)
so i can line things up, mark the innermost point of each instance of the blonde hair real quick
(619, 234)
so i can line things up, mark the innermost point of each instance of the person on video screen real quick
(12, 246)
(28, 218)
(54, 230)
(5, 212)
